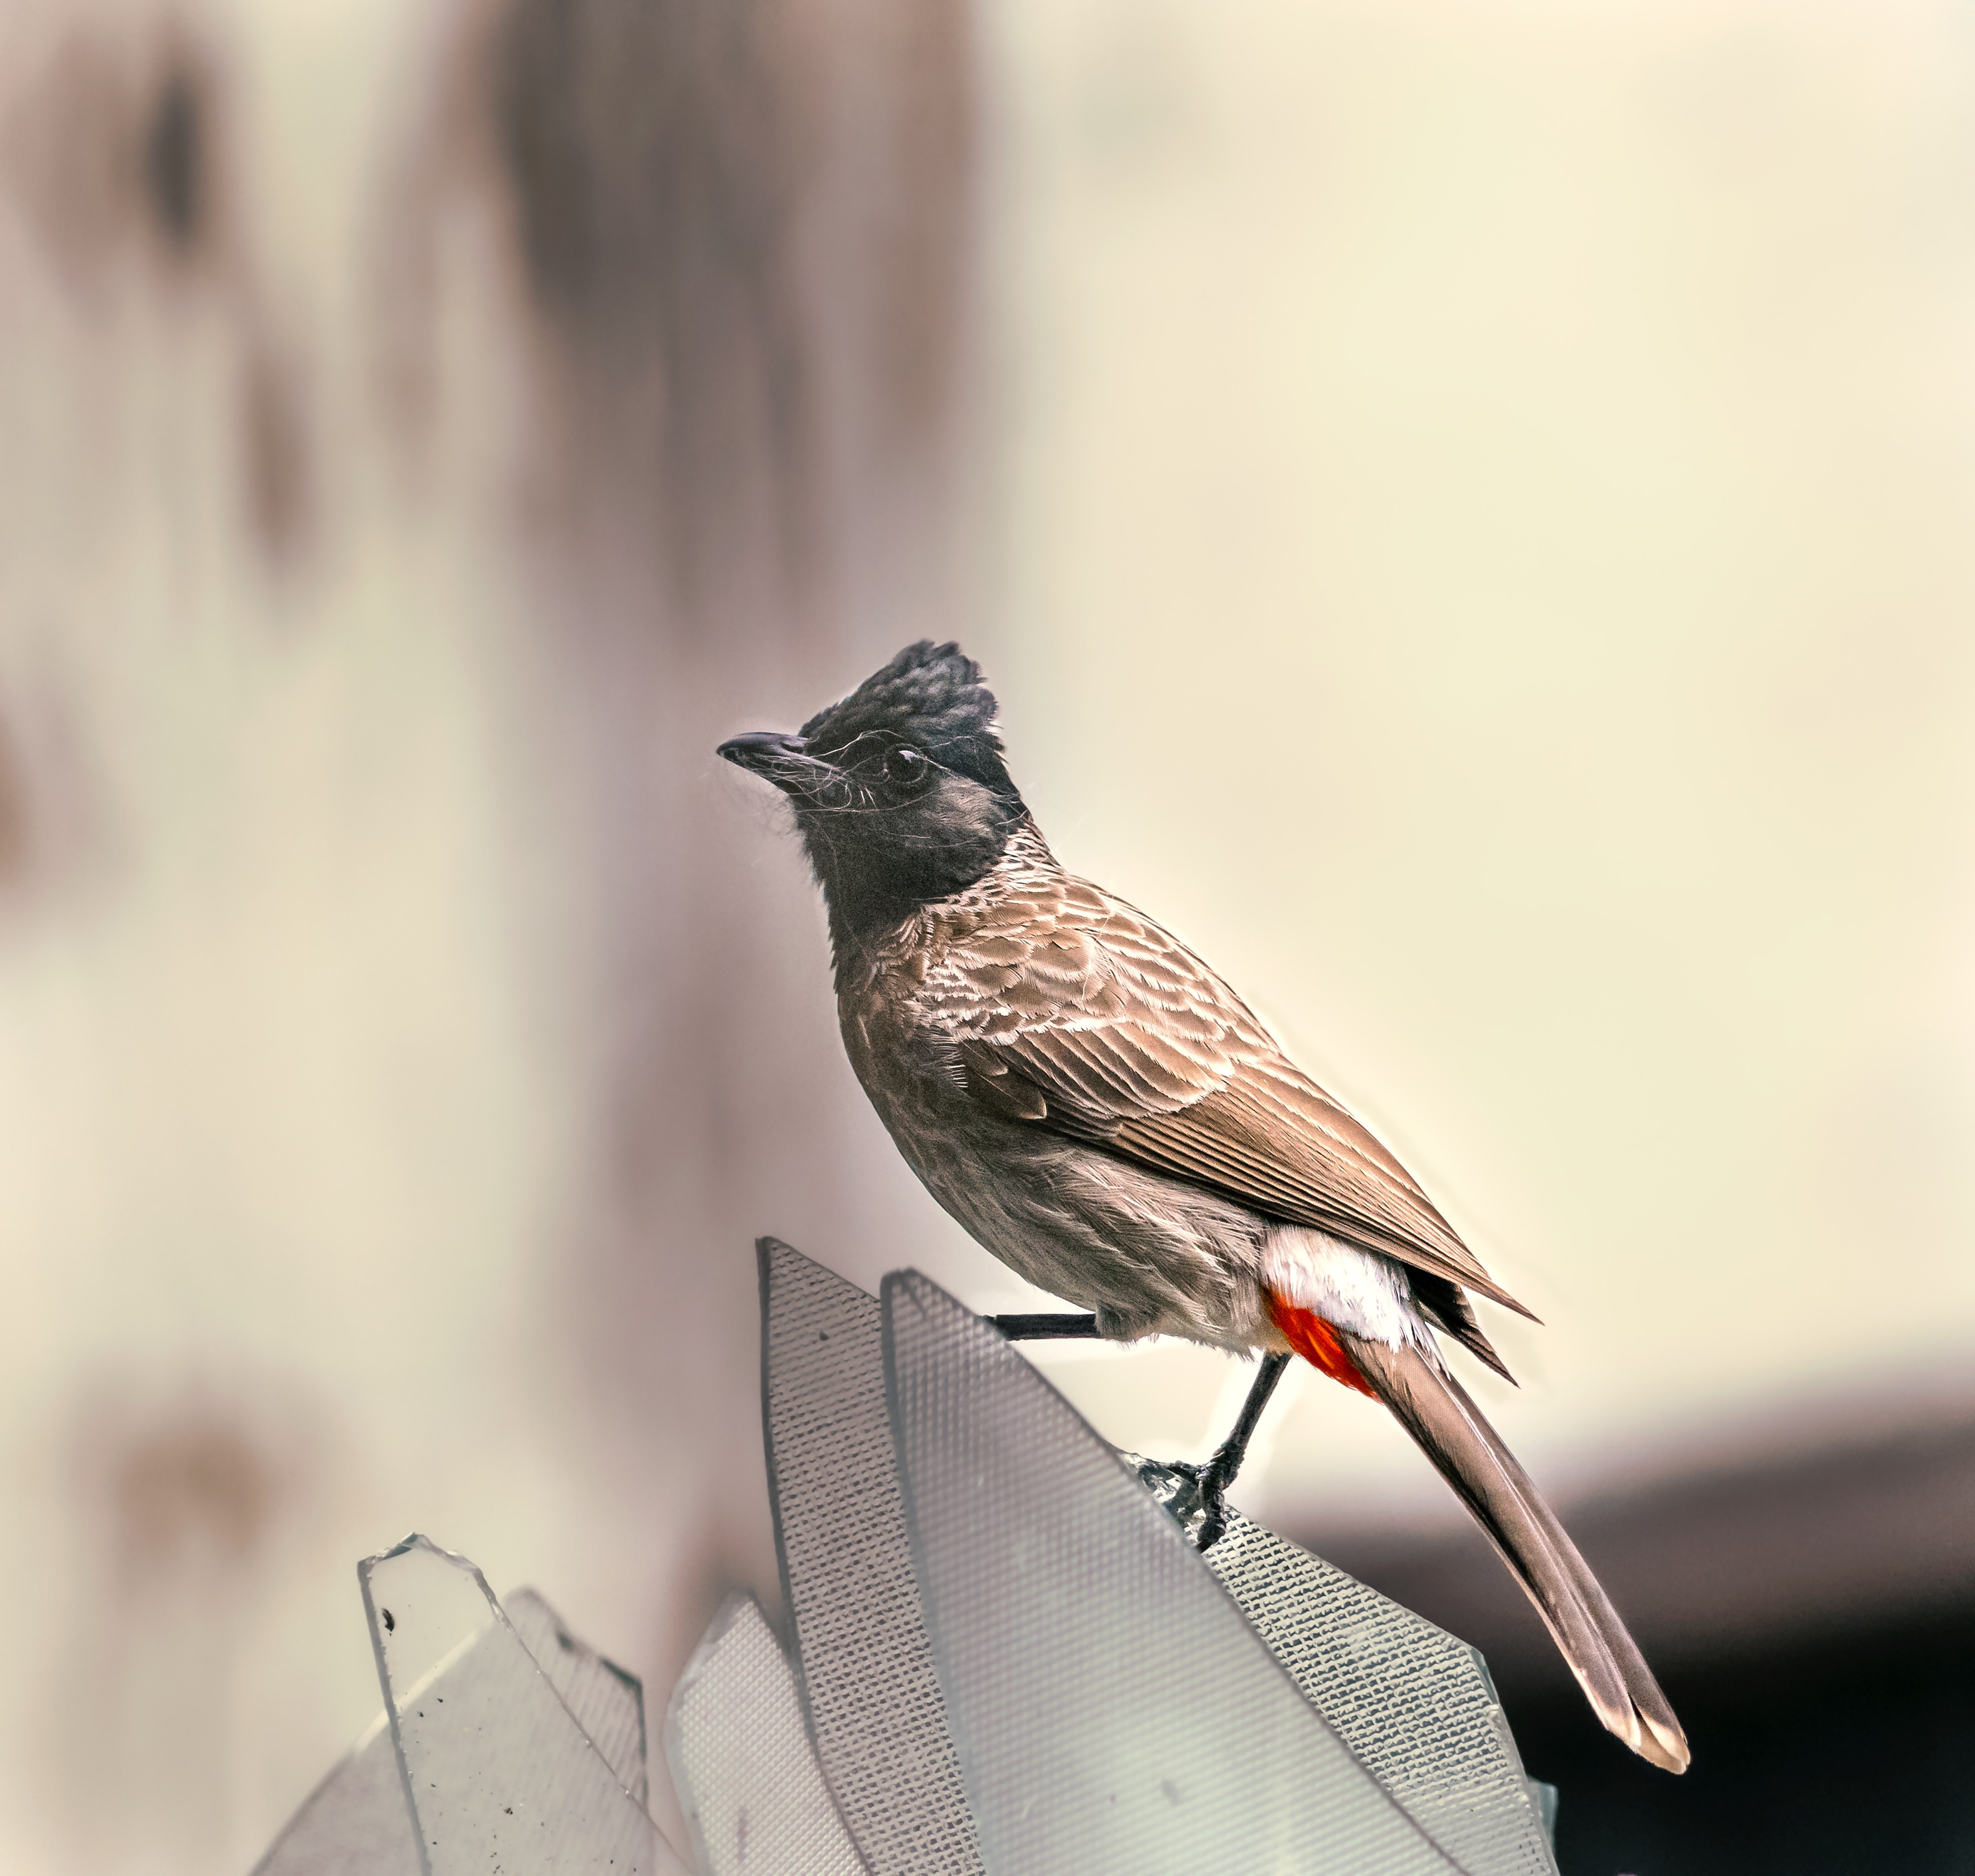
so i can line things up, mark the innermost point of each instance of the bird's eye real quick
(904, 767)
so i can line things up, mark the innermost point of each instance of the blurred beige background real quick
(1466, 507)
(1487, 508)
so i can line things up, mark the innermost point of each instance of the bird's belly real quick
(1147, 1255)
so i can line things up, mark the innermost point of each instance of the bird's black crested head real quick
(900, 790)
(930, 697)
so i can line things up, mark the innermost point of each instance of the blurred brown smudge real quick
(190, 1495)
(121, 154)
(15, 825)
(740, 240)
(650, 153)
(196, 1483)
(175, 146)
(275, 447)
(55, 831)
(118, 151)
(173, 1477)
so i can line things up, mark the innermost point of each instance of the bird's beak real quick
(785, 760)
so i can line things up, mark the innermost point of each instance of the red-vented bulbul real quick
(1104, 1114)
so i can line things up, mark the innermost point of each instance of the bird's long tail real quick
(1469, 1453)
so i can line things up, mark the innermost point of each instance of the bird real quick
(1098, 1108)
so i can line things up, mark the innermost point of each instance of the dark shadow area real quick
(649, 154)
(1845, 1755)
(174, 158)
(1811, 1616)
(748, 231)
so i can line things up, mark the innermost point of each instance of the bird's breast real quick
(909, 1070)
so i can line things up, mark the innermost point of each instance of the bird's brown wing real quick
(1069, 1010)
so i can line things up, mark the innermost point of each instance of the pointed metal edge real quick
(632, 1684)
(672, 1740)
(364, 1566)
(765, 1248)
(417, 1540)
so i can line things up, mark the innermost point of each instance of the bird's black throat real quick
(879, 867)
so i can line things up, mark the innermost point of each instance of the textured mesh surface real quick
(873, 1700)
(1413, 1702)
(498, 1774)
(1113, 1711)
(607, 1702)
(741, 1759)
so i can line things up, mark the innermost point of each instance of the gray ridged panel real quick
(1413, 1702)
(606, 1701)
(741, 1759)
(1113, 1709)
(873, 1700)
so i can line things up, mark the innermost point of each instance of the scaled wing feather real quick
(1089, 1020)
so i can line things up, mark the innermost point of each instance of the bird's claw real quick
(1213, 1493)
(1195, 1496)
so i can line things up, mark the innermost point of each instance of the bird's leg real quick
(1219, 1471)
(1053, 1328)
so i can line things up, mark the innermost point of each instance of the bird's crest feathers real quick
(930, 696)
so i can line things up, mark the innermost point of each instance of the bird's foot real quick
(1215, 1479)
(1213, 1521)
(1195, 1496)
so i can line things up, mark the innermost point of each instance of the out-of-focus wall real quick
(425, 432)
(1466, 507)
(1487, 499)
